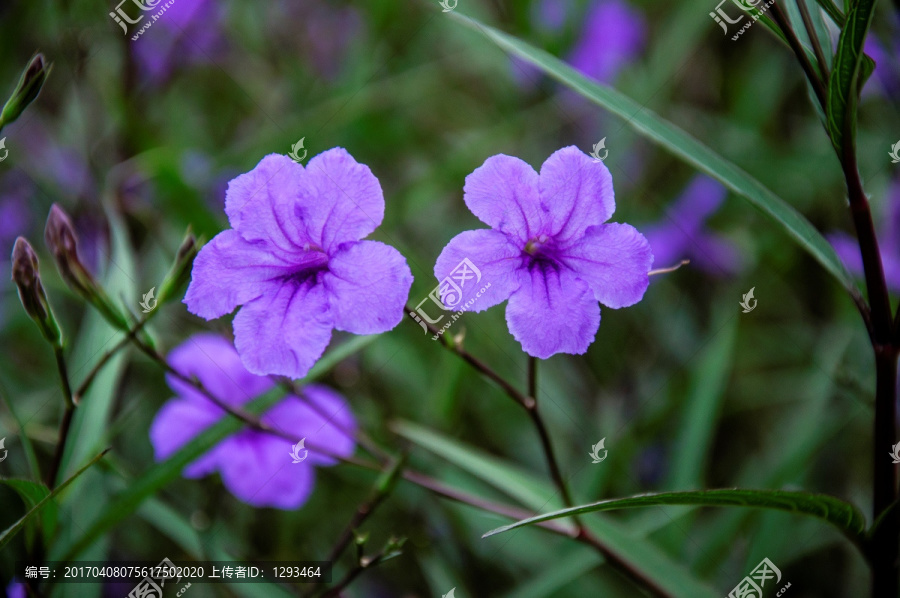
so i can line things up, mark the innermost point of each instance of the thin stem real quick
(811, 74)
(884, 551)
(66, 422)
(361, 566)
(813, 38)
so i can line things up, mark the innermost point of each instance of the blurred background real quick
(137, 139)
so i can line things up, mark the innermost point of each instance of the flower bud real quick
(26, 274)
(180, 270)
(59, 234)
(30, 84)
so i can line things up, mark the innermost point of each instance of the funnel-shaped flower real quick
(548, 250)
(295, 262)
(255, 466)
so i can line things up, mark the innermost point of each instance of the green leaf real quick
(11, 531)
(31, 494)
(534, 493)
(701, 409)
(681, 144)
(844, 83)
(843, 515)
(832, 11)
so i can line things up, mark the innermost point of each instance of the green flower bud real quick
(180, 270)
(30, 84)
(26, 274)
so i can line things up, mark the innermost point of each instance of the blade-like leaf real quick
(845, 516)
(849, 70)
(534, 492)
(681, 144)
(31, 494)
(12, 530)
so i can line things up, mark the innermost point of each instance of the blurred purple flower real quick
(681, 235)
(16, 190)
(15, 590)
(886, 66)
(188, 32)
(847, 246)
(295, 261)
(325, 31)
(255, 467)
(549, 251)
(612, 37)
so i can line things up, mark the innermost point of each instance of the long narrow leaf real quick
(681, 144)
(844, 516)
(12, 530)
(534, 492)
(849, 63)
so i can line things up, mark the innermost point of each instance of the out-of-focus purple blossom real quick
(612, 38)
(887, 66)
(550, 250)
(15, 590)
(256, 467)
(16, 189)
(323, 31)
(187, 33)
(681, 234)
(47, 160)
(847, 246)
(296, 262)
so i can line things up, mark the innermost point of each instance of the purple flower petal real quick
(176, 424)
(553, 312)
(284, 332)
(322, 417)
(262, 204)
(341, 200)
(368, 283)
(213, 361)
(229, 271)
(614, 260)
(612, 37)
(503, 193)
(577, 191)
(497, 261)
(259, 471)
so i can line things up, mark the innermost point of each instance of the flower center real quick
(313, 261)
(540, 253)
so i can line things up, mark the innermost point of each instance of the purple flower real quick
(680, 235)
(255, 466)
(612, 37)
(295, 261)
(186, 33)
(15, 590)
(888, 242)
(549, 251)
